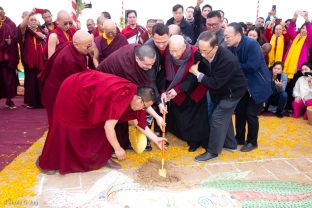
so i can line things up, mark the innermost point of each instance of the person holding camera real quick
(303, 91)
(279, 83)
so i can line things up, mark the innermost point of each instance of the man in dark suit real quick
(219, 70)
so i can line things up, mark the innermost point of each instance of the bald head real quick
(81, 35)
(177, 46)
(2, 13)
(63, 20)
(99, 23)
(174, 30)
(82, 41)
(177, 41)
(145, 56)
(63, 15)
(109, 24)
(24, 14)
(109, 28)
(266, 48)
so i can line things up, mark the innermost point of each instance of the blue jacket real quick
(255, 69)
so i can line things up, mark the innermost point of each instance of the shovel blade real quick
(162, 172)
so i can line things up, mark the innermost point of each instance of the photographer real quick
(303, 91)
(279, 82)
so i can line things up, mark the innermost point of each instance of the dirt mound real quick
(147, 175)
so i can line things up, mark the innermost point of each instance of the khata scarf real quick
(276, 54)
(293, 56)
(177, 77)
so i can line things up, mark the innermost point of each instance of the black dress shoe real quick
(230, 149)
(193, 147)
(248, 147)
(279, 114)
(205, 156)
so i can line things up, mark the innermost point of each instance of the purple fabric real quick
(19, 129)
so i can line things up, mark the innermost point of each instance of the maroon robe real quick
(50, 27)
(188, 112)
(123, 64)
(105, 50)
(77, 141)
(136, 35)
(62, 38)
(8, 60)
(31, 46)
(96, 32)
(63, 63)
(197, 94)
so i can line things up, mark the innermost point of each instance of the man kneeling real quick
(87, 108)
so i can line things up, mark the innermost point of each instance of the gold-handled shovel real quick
(163, 172)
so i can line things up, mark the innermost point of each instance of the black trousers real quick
(247, 111)
(221, 126)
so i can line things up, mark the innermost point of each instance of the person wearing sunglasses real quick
(69, 59)
(61, 34)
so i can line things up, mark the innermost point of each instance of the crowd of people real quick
(195, 67)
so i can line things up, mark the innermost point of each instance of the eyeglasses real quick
(113, 33)
(205, 52)
(212, 25)
(144, 106)
(226, 37)
(70, 23)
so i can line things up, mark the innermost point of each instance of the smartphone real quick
(278, 21)
(307, 74)
(278, 77)
(273, 7)
(39, 11)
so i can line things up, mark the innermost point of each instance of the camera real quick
(307, 74)
(278, 77)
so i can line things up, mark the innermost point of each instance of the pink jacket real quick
(306, 46)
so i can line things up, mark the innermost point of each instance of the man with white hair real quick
(187, 112)
(67, 60)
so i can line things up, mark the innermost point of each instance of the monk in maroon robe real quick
(99, 30)
(188, 109)
(110, 41)
(134, 33)
(8, 59)
(70, 58)
(61, 34)
(48, 23)
(131, 62)
(32, 40)
(87, 108)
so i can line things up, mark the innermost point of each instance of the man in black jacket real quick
(219, 70)
(178, 19)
